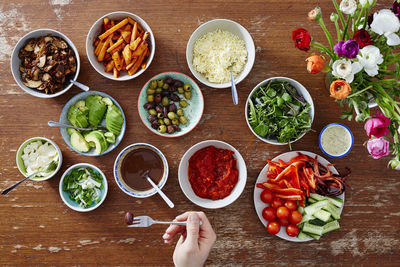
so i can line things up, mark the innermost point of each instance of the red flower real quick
(302, 39)
(363, 38)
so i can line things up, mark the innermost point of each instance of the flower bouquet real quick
(363, 69)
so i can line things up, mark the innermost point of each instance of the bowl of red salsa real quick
(212, 174)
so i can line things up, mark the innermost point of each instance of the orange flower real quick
(340, 89)
(315, 64)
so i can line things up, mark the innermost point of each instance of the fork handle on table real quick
(163, 222)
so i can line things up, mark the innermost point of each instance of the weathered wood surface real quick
(38, 229)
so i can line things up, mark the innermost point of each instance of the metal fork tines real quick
(146, 221)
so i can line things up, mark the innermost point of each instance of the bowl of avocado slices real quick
(101, 115)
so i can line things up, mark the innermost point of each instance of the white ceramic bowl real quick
(16, 62)
(20, 162)
(187, 188)
(73, 204)
(95, 31)
(300, 89)
(226, 25)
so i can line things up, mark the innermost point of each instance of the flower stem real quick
(324, 49)
(337, 30)
(345, 31)
(339, 12)
(327, 33)
(360, 92)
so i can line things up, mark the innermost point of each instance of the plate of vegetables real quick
(299, 196)
(279, 111)
(99, 112)
(83, 187)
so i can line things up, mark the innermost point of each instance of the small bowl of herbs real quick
(279, 111)
(83, 187)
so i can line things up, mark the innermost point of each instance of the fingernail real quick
(165, 236)
(193, 218)
(165, 241)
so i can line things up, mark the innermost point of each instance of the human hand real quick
(195, 242)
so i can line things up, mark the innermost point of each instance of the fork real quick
(146, 221)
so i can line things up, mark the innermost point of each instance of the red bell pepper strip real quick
(290, 197)
(286, 191)
(292, 166)
(309, 177)
(316, 170)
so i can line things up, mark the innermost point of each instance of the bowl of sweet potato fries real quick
(120, 46)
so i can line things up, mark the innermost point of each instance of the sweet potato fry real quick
(142, 47)
(133, 61)
(120, 41)
(134, 33)
(132, 21)
(144, 65)
(98, 48)
(127, 54)
(117, 61)
(106, 20)
(110, 66)
(146, 34)
(107, 57)
(126, 35)
(137, 64)
(102, 53)
(113, 29)
(115, 72)
(135, 44)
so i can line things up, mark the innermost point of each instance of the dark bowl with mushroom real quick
(43, 62)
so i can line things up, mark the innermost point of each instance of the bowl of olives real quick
(170, 104)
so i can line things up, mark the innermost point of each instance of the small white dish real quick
(16, 61)
(225, 25)
(95, 30)
(187, 188)
(73, 204)
(300, 89)
(20, 162)
(262, 177)
(349, 145)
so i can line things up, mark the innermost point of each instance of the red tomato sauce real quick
(213, 172)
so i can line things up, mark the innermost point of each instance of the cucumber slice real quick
(338, 202)
(79, 143)
(313, 229)
(316, 237)
(331, 226)
(333, 210)
(107, 101)
(307, 218)
(301, 209)
(302, 236)
(316, 206)
(317, 196)
(317, 222)
(322, 215)
(311, 200)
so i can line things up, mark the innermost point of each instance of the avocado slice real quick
(114, 119)
(97, 109)
(70, 131)
(77, 117)
(98, 139)
(78, 142)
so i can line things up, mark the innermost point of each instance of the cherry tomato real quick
(266, 196)
(268, 214)
(276, 203)
(295, 217)
(283, 222)
(282, 212)
(292, 230)
(273, 228)
(291, 205)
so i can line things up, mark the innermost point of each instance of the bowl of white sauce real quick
(336, 140)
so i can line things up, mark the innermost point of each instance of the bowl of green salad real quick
(279, 111)
(101, 122)
(83, 187)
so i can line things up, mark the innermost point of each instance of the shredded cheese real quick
(216, 52)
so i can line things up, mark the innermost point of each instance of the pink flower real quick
(377, 126)
(378, 147)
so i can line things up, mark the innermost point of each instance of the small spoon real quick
(234, 91)
(81, 86)
(51, 167)
(166, 199)
(62, 125)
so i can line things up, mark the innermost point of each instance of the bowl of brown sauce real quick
(132, 162)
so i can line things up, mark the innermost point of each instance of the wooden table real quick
(38, 229)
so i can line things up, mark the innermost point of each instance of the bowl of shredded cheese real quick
(215, 48)
(36, 154)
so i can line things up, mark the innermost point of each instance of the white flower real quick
(370, 57)
(365, 2)
(385, 22)
(348, 6)
(345, 69)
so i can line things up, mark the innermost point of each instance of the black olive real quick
(178, 84)
(175, 97)
(172, 108)
(155, 124)
(157, 98)
(170, 129)
(168, 80)
(129, 218)
(159, 109)
(149, 105)
(172, 89)
(152, 118)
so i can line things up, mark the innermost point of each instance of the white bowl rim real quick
(269, 141)
(126, 190)
(250, 61)
(32, 91)
(152, 41)
(105, 183)
(60, 159)
(220, 202)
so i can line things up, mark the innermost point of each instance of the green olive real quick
(162, 128)
(183, 103)
(160, 83)
(153, 84)
(188, 95)
(150, 91)
(180, 90)
(180, 112)
(161, 121)
(187, 87)
(175, 122)
(182, 119)
(152, 111)
(160, 115)
(171, 115)
(165, 101)
(167, 121)
(165, 86)
(150, 98)
(158, 90)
